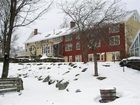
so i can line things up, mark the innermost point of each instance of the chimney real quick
(35, 31)
(72, 24)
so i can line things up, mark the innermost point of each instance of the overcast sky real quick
(52, 20)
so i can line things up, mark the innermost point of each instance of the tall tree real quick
(14, 14)
(13, 45)
(65, 23)
(91, 16)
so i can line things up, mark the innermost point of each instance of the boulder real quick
(78, 90)
(62, 86)
(47, 79)
(51, 82)
(84, 69)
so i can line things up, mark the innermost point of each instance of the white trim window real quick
(70, 58)
(66, 58)
(78, 58)
(116, 55)
(49, 51)
(68, 47)
(114, 40)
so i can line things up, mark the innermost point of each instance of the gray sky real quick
(54, 18)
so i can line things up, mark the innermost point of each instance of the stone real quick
(75, 79)
(74, 66)
(78, 90)
(47, 79)
(48, 68)
(101, 78)
(77, 75)
(51, 82)
(66, 72)
(84, 69)
(40, 78)
(62, 86)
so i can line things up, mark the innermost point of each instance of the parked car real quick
(131, 62)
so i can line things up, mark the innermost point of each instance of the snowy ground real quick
(37, 92)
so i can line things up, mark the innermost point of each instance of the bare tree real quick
(14, 14)
(91, 16)
(65, 23)
(13, 48)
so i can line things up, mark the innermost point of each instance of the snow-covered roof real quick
(50, 35)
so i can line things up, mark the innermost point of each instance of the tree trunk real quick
(5, 66)
(85, 52)
(95, 65)
(84, 47)
(8, 39)
(6, 55)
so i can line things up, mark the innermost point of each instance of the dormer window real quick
(48, 35)
(58, 32)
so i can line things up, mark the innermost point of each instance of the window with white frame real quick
(70, 58)
(44, 49)
(77, 45)
(66, 58)
(78, 58)
(49, 50)
(114, 40)
(114, 28)
(68, 47)
(116, 55)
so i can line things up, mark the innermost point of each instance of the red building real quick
(72, 43)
